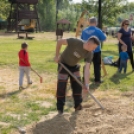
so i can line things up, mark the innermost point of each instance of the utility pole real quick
(57, 8)
(99, 14)
(100, 17)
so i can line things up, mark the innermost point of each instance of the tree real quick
(70, 14)
(4, 9)
(61, 4)
(129, 7)
(110, 9)
(47, 11)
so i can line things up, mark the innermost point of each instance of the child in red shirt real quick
(24, 65)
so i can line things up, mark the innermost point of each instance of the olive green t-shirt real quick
(74, 52)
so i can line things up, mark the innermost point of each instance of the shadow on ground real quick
(66, 124)
(115, 78)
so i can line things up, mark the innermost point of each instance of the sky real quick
(81, 0)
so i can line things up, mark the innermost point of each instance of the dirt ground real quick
(117, 118)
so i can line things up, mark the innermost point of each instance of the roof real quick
(63, 21)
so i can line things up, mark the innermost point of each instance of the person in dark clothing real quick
(125, 38)
(75, 51)
(92, 30)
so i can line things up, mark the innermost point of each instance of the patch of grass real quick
(14, 98)
(33, 106)
(46, 111)
(7, 118)
(33, 116)
(30, 113)
(6, 130)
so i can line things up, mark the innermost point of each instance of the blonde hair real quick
(123, 47)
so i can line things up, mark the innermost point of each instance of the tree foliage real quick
(4, 9)
(110, 9)
(48, 9)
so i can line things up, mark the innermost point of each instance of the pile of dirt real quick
(117, 118)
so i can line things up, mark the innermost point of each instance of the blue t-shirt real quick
(93, 31)
(126, 38)
(124, 56)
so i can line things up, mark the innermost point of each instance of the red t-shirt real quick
(23, 58)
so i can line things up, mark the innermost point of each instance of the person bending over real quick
(75, 51)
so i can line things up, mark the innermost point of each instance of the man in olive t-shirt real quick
(75, 51)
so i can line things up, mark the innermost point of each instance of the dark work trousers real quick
(123, 65)
(130, 54)
(97, 66)
(63, 76)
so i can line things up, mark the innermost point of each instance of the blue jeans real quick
(123, 64)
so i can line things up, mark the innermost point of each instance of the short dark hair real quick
(95, 40)
(124, 22)
(24, 45)
(93, 20)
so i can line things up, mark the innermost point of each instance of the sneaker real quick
(21, 88)
(30, 83)
(78, 108)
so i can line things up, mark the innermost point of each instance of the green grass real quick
(41, 53)
(41, 56)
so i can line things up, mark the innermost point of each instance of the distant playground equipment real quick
(29, 26)
(61, 27)
(26, 26)
(82, 23)
(23, 11)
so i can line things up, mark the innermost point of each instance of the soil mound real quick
(117, 118)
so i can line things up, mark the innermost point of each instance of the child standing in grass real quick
(123, 59)
(24, 65)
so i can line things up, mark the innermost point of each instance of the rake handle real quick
(82, 85)
(35, 72)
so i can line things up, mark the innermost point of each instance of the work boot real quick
(78, 108)
(60, 112)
